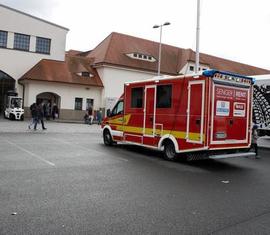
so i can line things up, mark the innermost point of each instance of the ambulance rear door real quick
(231, 104)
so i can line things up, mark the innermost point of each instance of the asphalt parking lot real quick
(65, 181)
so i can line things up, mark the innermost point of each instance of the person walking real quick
(90, 115)
(99, 116)
(33, 109)
(40, 116)
(55, 111)
(254, 140)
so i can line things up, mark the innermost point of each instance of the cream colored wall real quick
(186, 68)
(66, 92)
(113, 79)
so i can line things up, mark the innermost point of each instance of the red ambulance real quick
(208, 115)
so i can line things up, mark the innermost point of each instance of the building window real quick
(21, 41)
(3, 38)
(43, 45)
(78, 103)
(85, 74)
(140, 56)
(164, 96)
(137, 97)
(191, 68)
(89, 103)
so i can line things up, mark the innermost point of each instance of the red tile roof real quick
(113, 49)
(64, 71)
(73, 52)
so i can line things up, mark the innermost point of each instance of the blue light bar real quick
(212, 72)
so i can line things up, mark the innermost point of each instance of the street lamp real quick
(159, 51)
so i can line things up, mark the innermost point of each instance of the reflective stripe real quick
(139, 130)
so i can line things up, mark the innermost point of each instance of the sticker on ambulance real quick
(239, 109)
(223, 108)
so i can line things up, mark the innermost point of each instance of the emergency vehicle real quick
(207, 115)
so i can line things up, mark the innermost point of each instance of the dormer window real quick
(140, 56)
(85, 74)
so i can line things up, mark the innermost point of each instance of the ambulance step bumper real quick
(221, 156)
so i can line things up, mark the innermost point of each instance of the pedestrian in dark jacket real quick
(254, 139)
(40, 116)
(55, 111)
(99, 116)
(33, 109)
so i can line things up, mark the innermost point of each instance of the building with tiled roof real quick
(119, 50)
(68, 82)
(121, 58)
(34, 60)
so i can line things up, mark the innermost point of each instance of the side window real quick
(118, 108)
(164, 96)
(137, 97)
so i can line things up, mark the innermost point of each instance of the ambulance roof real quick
(207, 73)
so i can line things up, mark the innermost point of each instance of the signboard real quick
(239, 109)
(223, 108)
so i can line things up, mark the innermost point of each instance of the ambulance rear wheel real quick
(107, 138)
(169, 151)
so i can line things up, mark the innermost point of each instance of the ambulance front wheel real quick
(107, 138)
(169, 151)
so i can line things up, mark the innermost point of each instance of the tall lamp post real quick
(197, 58)
(159, 51)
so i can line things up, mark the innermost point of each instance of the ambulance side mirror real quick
(108, 113)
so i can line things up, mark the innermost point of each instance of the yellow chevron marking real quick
(120, 120)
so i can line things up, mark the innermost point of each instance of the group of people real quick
(50, 111)
(89, 116)
(39, 111)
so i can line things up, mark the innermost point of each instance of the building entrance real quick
(7, 83)
(51, 104)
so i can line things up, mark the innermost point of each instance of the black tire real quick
(107, 138)
(169, 151)
(22, 118)
(11, 117)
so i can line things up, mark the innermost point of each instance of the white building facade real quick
(25, 40)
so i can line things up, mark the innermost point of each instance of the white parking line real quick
(30, 153)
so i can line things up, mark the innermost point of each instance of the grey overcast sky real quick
(233, 29)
